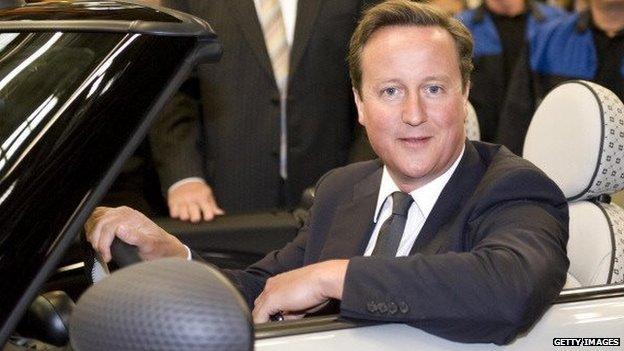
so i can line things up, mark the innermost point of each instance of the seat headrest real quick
(472, 123)
(576, 137)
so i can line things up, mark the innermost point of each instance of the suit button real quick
(371, 307)
(275, 100)
(382, 307)
(392, 308)
(403, 307)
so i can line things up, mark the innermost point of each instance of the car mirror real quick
(168, 304)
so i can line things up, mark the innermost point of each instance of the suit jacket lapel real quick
(458, 188)
(307, 12)
(247, 18)
(353, 222)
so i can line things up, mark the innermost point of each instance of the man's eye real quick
(390, 91)
(434, 89)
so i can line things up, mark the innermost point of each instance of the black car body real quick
(80, 83)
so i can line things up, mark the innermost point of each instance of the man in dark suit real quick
(462, 239)
(263, 143)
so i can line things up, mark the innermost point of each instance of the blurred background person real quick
(452, 7)
(500, 29)
(588, 45)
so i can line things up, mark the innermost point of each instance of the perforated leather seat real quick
(577, 138)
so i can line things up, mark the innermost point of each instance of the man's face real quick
(412, 103)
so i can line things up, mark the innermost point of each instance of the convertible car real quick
(80, 84)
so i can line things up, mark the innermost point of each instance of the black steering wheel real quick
(123, 255)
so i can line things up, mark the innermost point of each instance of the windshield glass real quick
(38, 72)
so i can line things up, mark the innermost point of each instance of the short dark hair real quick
(407, 13)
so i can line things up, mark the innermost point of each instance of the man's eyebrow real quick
(385, 80)
(444, 77)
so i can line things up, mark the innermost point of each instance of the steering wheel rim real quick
(96, 269)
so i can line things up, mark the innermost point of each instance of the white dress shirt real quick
(424, 197)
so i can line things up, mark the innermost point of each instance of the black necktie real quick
(392, 229)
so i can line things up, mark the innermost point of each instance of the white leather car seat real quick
(577, 138)
(471, 123)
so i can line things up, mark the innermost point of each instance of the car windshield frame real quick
(204, 48)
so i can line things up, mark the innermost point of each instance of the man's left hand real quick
(300, 291)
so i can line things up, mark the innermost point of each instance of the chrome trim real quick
(71, 267)
(306, 325)
(590, 293)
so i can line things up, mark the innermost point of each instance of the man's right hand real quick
(134, 228)
(193, 201)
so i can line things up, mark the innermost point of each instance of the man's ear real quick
(358, 104)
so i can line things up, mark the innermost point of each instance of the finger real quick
(107, 234)
(207, 210)
(263, 313)
(259, 316)
(174, 211)
(93, 234)
(183, 212)
(215, 209)
(264, 308)
(194, 212)
(131, 236)
(105, 242)
(100, 211)
(88, 226)
(93, 219)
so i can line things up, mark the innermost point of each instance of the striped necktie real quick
(279, 52)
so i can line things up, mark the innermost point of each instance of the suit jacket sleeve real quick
(174, 138)
(250, 282)
(513, 268)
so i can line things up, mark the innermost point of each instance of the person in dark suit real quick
(461, 239)
(263, 143)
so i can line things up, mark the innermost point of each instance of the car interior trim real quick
(306, 325)
(591, 293)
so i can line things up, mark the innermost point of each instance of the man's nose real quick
(413, 111)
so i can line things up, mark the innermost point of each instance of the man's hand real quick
(193, 201)
(300, 291)
(134, 228)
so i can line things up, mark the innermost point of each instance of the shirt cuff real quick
(189, 256)
(184, 181)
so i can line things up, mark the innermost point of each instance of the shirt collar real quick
(425, 196)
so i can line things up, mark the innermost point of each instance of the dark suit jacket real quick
(241, 112)
(489, 259)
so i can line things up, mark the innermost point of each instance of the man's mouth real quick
(415, 141)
